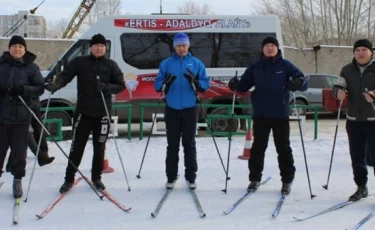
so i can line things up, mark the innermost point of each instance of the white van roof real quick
(115, 25)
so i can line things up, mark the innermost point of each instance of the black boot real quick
(44, 159)
(286, 188)
(253, 186)
(98, 184)
(17, 188)
(361, 192)
(66, 187)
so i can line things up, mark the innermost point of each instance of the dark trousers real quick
(83, 126)
(14, 137)
(181, 123)
(360, 134)
(34, 136)
(281, 132)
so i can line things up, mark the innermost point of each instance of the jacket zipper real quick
(181, 81)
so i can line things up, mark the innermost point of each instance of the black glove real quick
(3, 90)
(193, 80)
(168, 80)
(295, 84)
(17, 90)
(101, 86)
(52, 87)
(336, 89)
(233, 83)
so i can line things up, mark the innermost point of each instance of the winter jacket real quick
(16, 73)
(180, 94)
(270, 76)
(355, 82)
(87, 68)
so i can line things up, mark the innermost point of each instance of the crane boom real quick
(78, 17)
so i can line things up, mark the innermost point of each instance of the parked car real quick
(313, 96)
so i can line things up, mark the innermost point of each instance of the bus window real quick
(215, 50)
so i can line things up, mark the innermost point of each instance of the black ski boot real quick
(17, 188)
(66, 187)
(44, 159)
(361, 192)
(253, 186)
(286, 188)
(98, 184)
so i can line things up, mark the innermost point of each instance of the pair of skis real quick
(249, 193)
(194, 195)
(103, 192)
(16, 207)
(337, 207)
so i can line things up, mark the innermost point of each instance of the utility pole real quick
(161, 6)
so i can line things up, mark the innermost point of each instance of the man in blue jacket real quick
(273, 78)
(181, 77)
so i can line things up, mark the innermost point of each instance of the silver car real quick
(313, 96)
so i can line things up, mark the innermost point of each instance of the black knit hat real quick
(270, 40)
(97, 39)
(362, 43)
(17, 40)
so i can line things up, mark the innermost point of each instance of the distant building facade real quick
(33, 27)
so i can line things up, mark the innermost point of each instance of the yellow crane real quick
(78, 17)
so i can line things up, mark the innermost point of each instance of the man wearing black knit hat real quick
(91, 115)
(273, 78)
(357, 82)
(20, 78)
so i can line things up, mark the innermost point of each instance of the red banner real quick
(164, 24)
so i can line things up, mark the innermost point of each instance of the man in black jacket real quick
(19, 77)
(90, 113)
(357, 82)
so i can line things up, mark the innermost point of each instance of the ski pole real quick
(163, 89)
(113, 135)
(333, 146)
(149, 135)
(54, 140)
(38, 149)
(208, 125)
(303, 145)
(230, 138)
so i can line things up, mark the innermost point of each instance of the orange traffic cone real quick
(246, 151)
(106, 167)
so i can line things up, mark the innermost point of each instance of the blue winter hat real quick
(181, 39)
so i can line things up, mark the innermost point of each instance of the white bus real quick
(138, 43)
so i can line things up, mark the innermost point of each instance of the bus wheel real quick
(223, 124)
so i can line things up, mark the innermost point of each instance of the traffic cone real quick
(106, 167)
(246, 151)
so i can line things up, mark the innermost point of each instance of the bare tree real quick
(103, 8)
(310, 22)
(193, 8)
(56, 28)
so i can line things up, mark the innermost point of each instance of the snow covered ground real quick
(82, 209)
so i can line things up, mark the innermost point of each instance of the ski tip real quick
(297, 219)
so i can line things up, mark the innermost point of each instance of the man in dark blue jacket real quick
(180, 77)
(273, 78)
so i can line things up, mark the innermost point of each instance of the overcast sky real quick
(56, 9)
